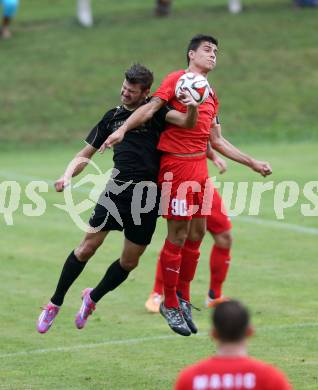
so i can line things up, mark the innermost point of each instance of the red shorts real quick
(183, 184)
(187, 192)
(218, 221)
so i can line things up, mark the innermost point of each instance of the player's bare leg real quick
(72, 268)
(131, 254)
(115, 275)
(5, 31)
(89, 245)
(219, 265)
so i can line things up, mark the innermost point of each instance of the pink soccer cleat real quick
(87, 308)
(46, 318)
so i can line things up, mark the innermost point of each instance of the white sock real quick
(84, 13)
(235, 6)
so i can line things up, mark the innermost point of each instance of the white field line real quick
(278, 225)
(140, 340)
(253, 220)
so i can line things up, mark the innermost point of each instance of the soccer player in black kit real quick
(136, 161)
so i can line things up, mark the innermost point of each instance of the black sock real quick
(115, 275)
(70, 272)
(211, 294)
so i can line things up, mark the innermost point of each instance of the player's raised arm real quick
(219, 143)
(75, 167)
(187, 120)
(138, 117)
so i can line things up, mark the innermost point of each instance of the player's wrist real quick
(214, 157)
(252, 163)
(123, 129)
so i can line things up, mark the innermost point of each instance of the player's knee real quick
(178, 235)
(197, 234)
(224, 240)
(178, 239)
(86, 250)
(228, 239)
(129, 263)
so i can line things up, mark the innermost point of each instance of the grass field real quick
(58, 78)
(274, 271)
(56, 81)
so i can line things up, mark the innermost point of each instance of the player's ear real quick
(250, 331)
(191, 54)
(146, 92)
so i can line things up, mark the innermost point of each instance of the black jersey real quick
(136, 157)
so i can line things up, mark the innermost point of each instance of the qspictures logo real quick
(104, 189)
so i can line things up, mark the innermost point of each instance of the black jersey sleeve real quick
(99, 133)
(159, 118)
(161, 114)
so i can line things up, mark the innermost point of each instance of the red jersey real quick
(179, 140)
(231, 373)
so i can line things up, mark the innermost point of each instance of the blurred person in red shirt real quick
(231, 368)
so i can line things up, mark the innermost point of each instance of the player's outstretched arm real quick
(143, 114)
(219, 143)
(187, 120)
(75, 167)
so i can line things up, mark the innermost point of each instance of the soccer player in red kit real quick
(182, 177)
(231, 368)
(219, 226)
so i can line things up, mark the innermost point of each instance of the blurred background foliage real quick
(57, 79)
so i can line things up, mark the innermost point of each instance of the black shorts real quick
(133, 210)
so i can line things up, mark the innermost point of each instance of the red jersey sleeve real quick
(166, 90)
(277, 380)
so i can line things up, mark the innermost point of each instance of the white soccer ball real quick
(197, 85)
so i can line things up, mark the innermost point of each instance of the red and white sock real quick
(170, 259)
(219, 266)
(189, 260)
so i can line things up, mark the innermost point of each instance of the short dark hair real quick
(197, 40)
(231, 320)
(139, 74)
